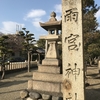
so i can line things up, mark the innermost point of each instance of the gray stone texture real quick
(57, 98)
(47, 86)
(46, 97)
(99, 66)
(24, 94)
(49, 77)
(49, 69)
(51, 62)
(72, 50)
(30, 98)
(34, 95)
(30, 84)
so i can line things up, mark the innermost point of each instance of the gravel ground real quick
(11, 86)
(93, 78)
(13, 83)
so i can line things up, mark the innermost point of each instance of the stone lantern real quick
(47, 80)
(52, 26)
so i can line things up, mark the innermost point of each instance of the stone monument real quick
(48, 79)
(72, 49)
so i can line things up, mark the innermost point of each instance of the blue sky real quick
(28, 13)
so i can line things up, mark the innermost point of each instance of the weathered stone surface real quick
(50, 37)
(34, 95)
(51, 62)
(47, 77)
(24, 94)
(72, 50)
(89, 72)
(99, 66)
(62, 87)
(57, 98)
(52, 50)
(46, 97)
(49, 69)
(30, 84)
(47, 86)
(30, 98)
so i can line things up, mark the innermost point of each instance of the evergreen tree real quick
(90, 26)
(41, 43)
(28, 43)
(4, 53)
(90, 23)
(92, 46)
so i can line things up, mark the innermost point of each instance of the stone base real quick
(47, 86)
(30, 84)
(47, 77)
(50, 69)
(51, 62)
(45, 95)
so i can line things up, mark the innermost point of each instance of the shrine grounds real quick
(13, 83)
(16, 81)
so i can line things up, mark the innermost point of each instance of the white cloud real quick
(58, 11)
(97, 14)
(58, 18)
(36, 22)
(98, 28)
(10, 27)
(58, 8)
(35, 13)
(35, 16)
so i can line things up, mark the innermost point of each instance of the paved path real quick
(13, 83)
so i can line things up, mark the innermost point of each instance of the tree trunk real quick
(38, 58)
(31, 56)
(28, 61)
(3, 72)
(90, 61)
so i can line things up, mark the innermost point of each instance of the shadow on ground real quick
(10, 83)
(92, 94)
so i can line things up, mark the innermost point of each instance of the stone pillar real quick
(72, 49)
(99, 66)
(28, 61)
(46, 46)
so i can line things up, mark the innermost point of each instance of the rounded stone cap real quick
(53, 14)
(53, 17)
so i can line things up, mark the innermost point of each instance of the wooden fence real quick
(19, 65)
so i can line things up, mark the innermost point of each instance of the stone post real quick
(72, 48)
(46, 46)
(28, 61)
(99, 66)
